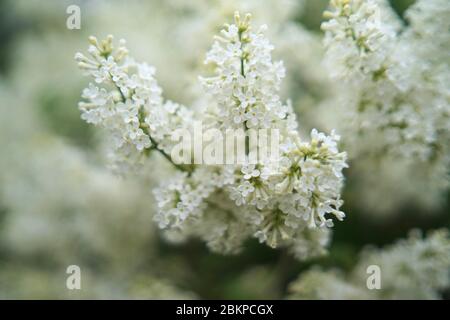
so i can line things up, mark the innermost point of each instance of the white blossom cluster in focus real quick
(282, 202)
(247, 81)
(129, 104)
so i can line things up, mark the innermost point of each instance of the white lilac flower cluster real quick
(356, 39)
(392, 92)
(129, 103)
(415, 268)
(246, 80)
(282, 202)
(305, 83)
(389, 91)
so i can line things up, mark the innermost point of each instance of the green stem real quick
(242, 57)
(154, 143)
(165, 155)
(247, 139)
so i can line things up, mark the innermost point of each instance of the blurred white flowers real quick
(415, 268)
(392, 93)
(61, 208)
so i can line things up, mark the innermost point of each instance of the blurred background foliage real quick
(258, 272)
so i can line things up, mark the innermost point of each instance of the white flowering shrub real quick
(279, 203)
(376, 71)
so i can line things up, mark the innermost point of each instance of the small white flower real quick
(250, 171)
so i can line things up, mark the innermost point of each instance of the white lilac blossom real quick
(282, 202)
(357, 41)
(388, 93)
(414, 268)
(129, 103)
(247, 81)
(392, 92)
(311, 168)
(305, 83)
